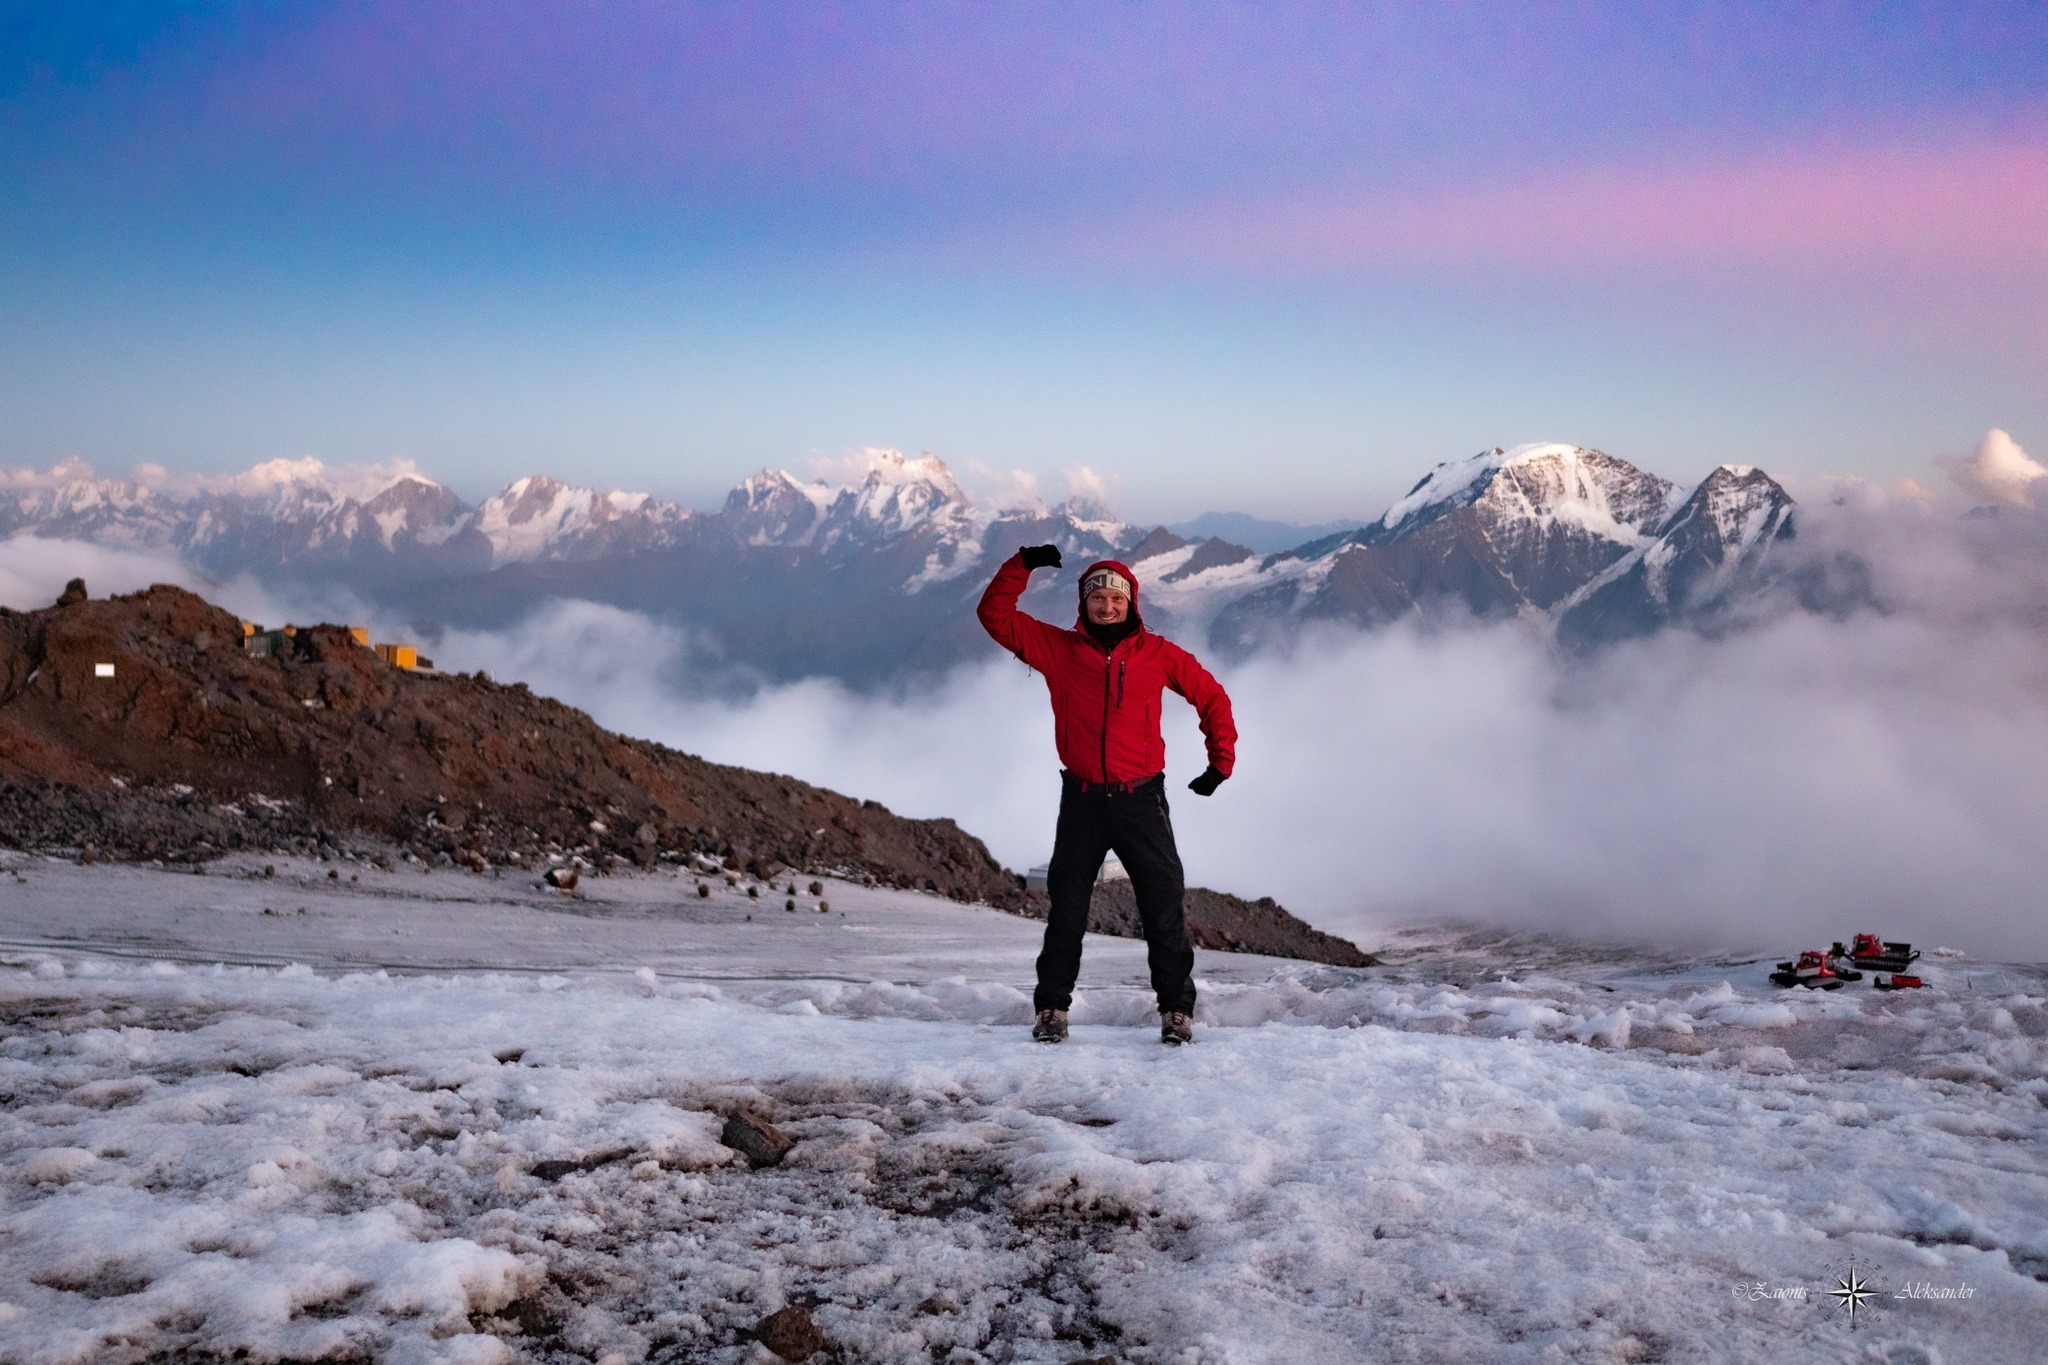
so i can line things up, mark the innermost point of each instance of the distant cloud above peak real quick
(1997, 471)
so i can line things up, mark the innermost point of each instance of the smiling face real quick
(1107, 606)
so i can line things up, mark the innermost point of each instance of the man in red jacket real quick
(1106, 676)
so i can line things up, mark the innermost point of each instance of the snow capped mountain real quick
(284, 513)
(543, 518)
(70, 502)
(1540, 484)
(298, 516)
(1504, 533)
(773, 508)
(1707, 556)
(899, 496)
(878, 571)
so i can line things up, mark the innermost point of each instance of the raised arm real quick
(1027, 637)
(1212, 704)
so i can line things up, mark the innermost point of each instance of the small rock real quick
(702, 891)
(563, 878)
(817, 888)
(761, 1142)
(790, 1333)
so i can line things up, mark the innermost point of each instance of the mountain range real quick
(868, 580)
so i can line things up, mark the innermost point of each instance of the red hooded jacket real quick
(1106, 700)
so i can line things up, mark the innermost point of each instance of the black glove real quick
(1207, 783)
(1041, 556)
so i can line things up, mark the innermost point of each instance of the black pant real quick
(1137, 825)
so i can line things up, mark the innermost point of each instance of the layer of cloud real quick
(33, 571)
(360, 481)
(1774, 789)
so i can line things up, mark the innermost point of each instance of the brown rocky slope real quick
(1219, 920)
(328, 742)
(194, 748)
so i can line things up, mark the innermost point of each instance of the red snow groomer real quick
(1812, 970)
(1871, 953)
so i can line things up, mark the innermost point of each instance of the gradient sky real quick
(1272, 258)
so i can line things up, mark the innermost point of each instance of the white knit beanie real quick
(1106, 578)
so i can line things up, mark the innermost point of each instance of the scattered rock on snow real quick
(790, 1333)
(555, 1168)
(761, 1142)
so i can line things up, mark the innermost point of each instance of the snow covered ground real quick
(237, 1134)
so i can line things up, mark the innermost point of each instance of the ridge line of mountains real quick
(867, 581)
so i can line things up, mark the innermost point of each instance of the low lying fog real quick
(1777, 788)
(1803, 781)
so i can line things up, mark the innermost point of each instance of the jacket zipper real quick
(1107, 659)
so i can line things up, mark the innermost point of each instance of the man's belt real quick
(1099, 788)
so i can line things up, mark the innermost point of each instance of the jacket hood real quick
(1080, 606)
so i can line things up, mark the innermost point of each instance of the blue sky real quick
(1274, 259)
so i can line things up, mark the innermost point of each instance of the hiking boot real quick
(1050, 1028)
(1176, 1028)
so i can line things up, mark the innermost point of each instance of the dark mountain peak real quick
(421, 502)
(1157, 541)
(772, 508)
(1707, 554)
(1733, 505)
(1214, 553)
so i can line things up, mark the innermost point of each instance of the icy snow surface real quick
(1491, 1149)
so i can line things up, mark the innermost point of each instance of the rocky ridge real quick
(1218, 920)
(191, 748)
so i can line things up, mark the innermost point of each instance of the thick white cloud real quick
(1774, 789)
(33, 571)
(1997, 471)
